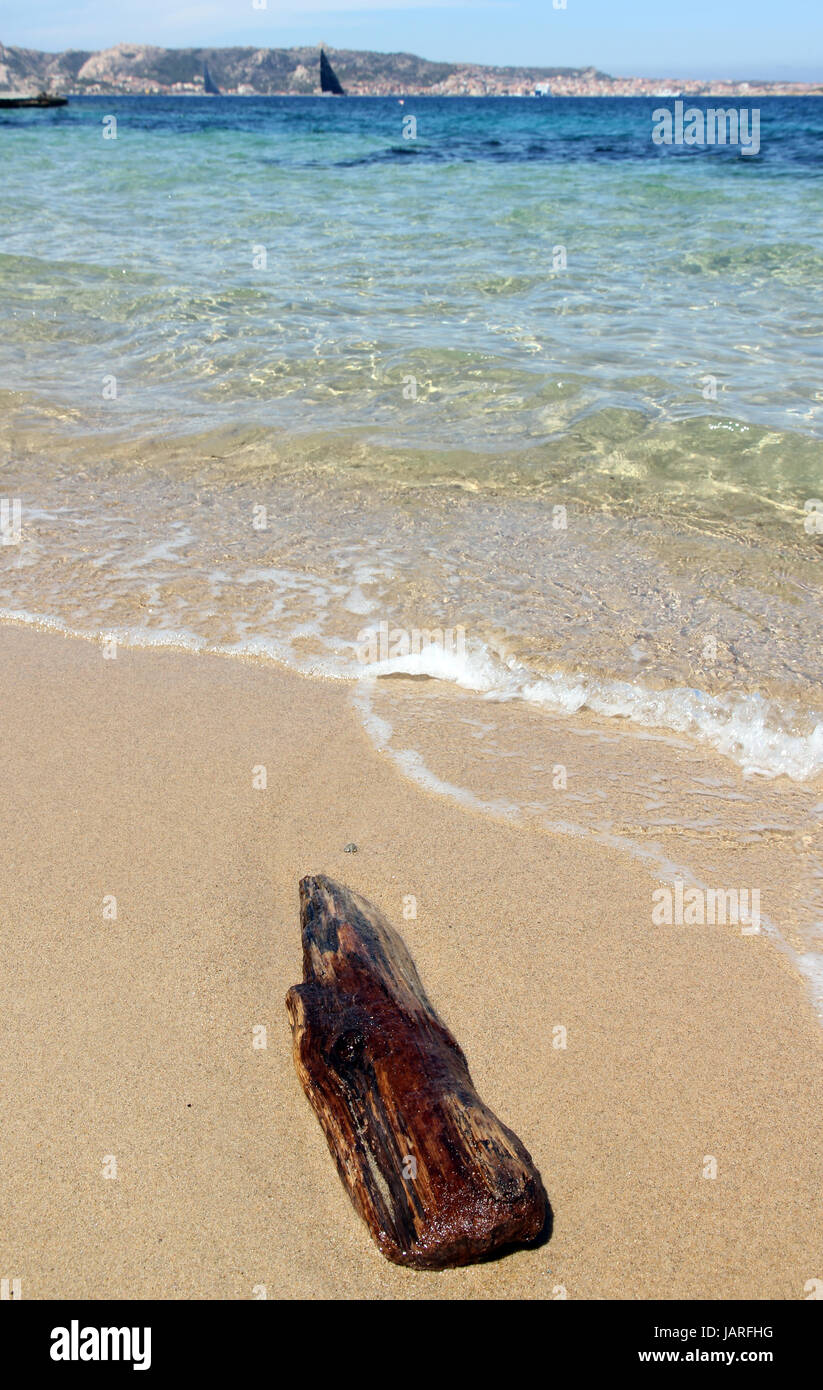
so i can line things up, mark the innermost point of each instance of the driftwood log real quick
(434, 1174)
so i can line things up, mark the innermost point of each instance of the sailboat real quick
(209, 86)
(329, 81)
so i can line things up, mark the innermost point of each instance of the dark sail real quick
(328, 79)
(209, 86)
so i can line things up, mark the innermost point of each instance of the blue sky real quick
(712, 38)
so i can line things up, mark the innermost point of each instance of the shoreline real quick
(403, 94)
(132, 778)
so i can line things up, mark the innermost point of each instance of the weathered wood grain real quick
(437, 1178)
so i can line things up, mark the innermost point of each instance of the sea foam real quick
(755, 732)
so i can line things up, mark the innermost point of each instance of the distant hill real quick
(139, 68)
(265, 71)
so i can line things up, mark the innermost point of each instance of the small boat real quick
(329, 81)
(210, 87)
(42, 99)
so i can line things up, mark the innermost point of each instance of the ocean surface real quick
(494, 409)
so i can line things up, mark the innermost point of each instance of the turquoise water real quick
(433, 257)
(412, 352)
(529, 304)
(273, 374)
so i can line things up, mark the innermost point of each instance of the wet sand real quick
(131, 1037)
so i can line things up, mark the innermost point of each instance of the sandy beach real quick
(130, 1037)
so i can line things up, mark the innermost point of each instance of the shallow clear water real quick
(272, 375)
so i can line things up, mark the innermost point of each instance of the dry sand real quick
(132, 1037)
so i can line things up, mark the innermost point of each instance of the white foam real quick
(356, 602)
(411, 763)
(472, 670)
(748, 728)
(179, 638)
(745, 727)
(762, 737)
